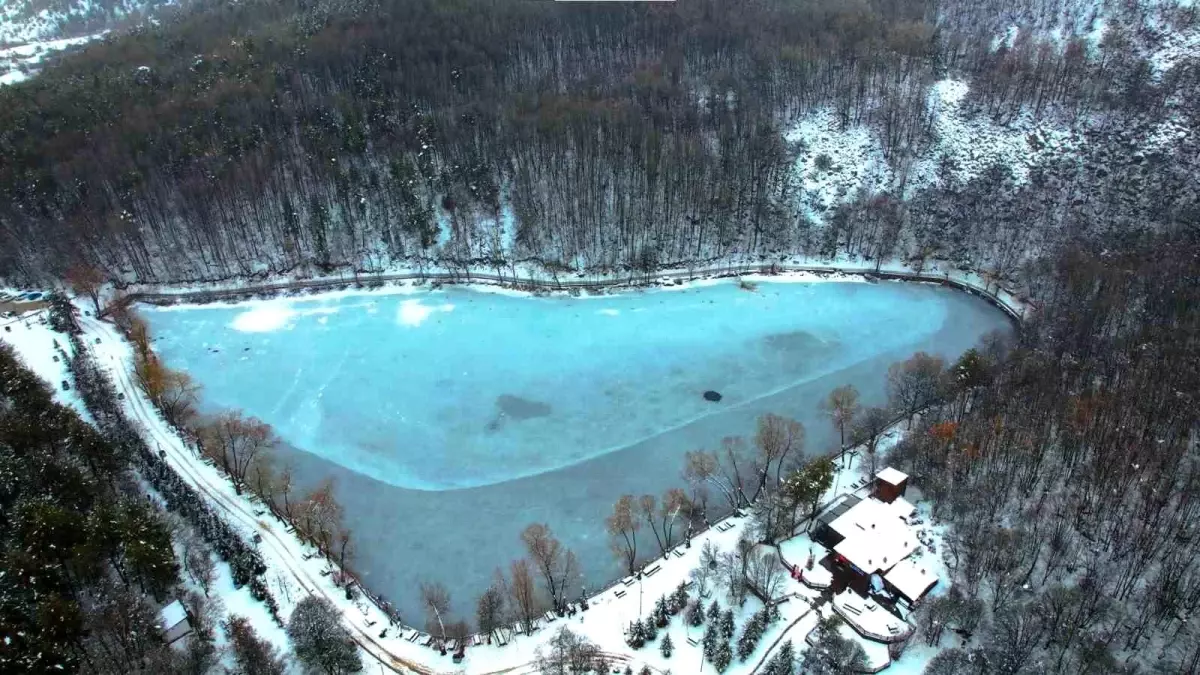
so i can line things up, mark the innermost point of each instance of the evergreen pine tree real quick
(661, 616)
(783, 662)
(751, 634)
(679, 599)
(695, 614)
(628, 670)
(714, 611)
(649, 628)
(667, 646)
(722, 657)
(637, 635)
(727, 625)
(645, 671)
(711, 638)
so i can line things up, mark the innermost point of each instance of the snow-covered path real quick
(282, 552)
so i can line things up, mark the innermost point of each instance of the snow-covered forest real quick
(257, 137)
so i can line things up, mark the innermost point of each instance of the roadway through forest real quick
(182, 462)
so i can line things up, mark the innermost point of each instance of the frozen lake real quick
(451, 419)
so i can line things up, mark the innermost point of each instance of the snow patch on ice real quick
(263, 319)
(610, 312)
(414, 312)
(271, 316)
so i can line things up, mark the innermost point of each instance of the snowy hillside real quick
(28, 21)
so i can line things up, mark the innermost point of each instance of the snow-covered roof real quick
(902, 507)
(873, 552)
(912, 578)
(867, 516)
(892, 476)
(173, 614)
(875, 536)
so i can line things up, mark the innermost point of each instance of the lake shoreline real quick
(1013, 305)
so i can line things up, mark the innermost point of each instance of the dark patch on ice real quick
(795, 342)
(711, 395)
(521, 408)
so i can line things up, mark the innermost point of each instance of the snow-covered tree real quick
(783, 661)
(722, 657)
(727, 625)
(650, 628)
(679, 599)
(667, 646)
(636, 638)
(661, 614)
(751, 634)
(695, 614)
(712, 635)
(714, 611)
(955, 662)
(833, 654)
(319, 640)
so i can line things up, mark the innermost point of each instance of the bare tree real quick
(765, 574)
(345, 550)
(436, 600)
(868, 429)
(198, 562)
(622, 528)
(284, 485)
(730, 463)
(704, 572)
(320, 516)
(674, 504)
(774, 437)
(522, 592)
(254, 655)
(700, 469)
(914, 383)
(556, 564)
(237, 442)
(86, 280)
(172, 391)
(841, 406)
(567, 653)
(490, 608)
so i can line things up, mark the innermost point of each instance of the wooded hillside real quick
(271, 136)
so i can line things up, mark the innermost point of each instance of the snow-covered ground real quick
(18, 64)
(28, 21)
(34, 341)
(837, 166)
